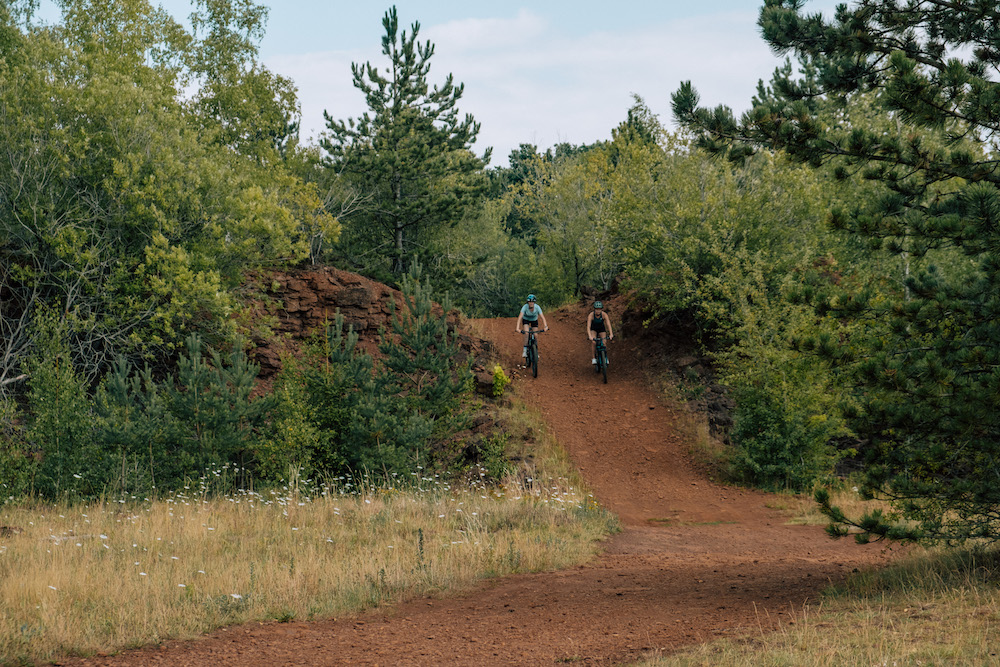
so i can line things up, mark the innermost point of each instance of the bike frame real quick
(533, 351)
(601, 350)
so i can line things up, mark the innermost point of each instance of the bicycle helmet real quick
(598, 304)
(531, 297)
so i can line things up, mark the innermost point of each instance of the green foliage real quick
(491, 270)
(786, 402)
(376, 429)
(493, 457)
(422, 359)
(158, 435)
(348, 414)
(779, 445)
(406, 162)
(253, 110)
(919, 352)
(17, 468)
(213, 419)
(335, 390)
(126, 208)
(60, 430)
(294, 443)
(500, 381)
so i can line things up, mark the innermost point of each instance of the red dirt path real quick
(696, 560)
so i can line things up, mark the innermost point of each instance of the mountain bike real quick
(532, 359)
(601, 352)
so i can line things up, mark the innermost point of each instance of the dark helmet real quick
(531, 297)
(598, 304)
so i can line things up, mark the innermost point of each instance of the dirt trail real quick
(695, 561)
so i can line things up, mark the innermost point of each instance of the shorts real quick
(532, 323)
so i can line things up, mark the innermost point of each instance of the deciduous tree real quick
(123, 207)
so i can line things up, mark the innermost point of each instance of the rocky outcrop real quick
(312, 298)
(296, 305)
(300, 304)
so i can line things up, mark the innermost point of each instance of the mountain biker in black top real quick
(598, 324)
(528, 318)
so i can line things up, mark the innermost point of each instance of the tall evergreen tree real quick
(927, 372)
(409, 156)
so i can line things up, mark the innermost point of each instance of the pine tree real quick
(212, 416)
(335, 390)
(131, 428)
(408, 157)
(422, 357)
(927, 368)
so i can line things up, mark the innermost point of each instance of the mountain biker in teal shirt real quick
(528, 318)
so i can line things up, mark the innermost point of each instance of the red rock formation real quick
(303, 302)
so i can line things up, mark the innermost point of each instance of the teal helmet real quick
(531, 297)
(598, 304)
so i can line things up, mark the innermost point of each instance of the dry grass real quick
(932, 608)
(78, 580)
(802, 509)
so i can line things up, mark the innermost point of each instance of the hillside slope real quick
(695, 561)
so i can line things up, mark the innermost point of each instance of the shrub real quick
(157, 435)
(17, 469)
(779, 445)
(500, 381)
(61, 425)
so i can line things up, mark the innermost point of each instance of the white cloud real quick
(472, 35)
(324, 83)
(525, 83)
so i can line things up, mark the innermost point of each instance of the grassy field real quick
(933, 607)
(83, 579)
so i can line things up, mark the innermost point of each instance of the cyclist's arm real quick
(611, 334)
(544, 322)
(590, 318)
(519, 316)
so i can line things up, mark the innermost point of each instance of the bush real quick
(500, 381)
(385, 416)
(778, 444)
(493, 457)
(17, 469)
(61, 420)
(158, 435)
(294, 443)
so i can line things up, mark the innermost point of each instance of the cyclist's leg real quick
(528, 326)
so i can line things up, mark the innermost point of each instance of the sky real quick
(541, 72)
